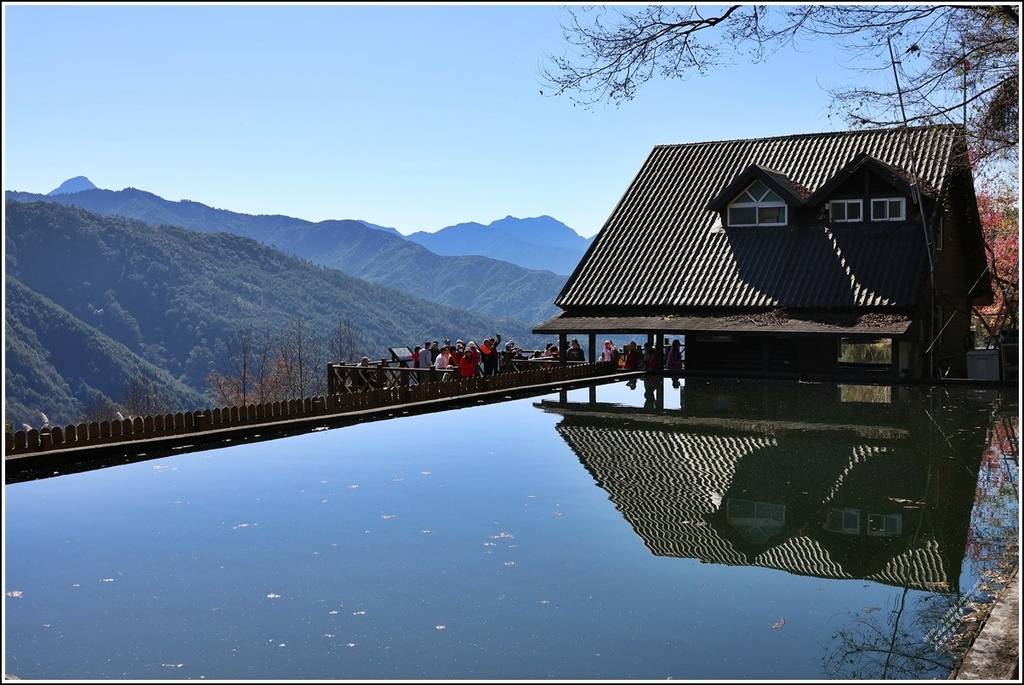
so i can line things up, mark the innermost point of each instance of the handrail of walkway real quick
(97, 433)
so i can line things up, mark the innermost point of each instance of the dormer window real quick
(758, 205)
(888, 209)
(845, 210)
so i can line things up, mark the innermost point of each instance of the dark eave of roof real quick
(768, 323)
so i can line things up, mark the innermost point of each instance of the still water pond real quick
(715, 530)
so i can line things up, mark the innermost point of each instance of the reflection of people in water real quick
(651, 382)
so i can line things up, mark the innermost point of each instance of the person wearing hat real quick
(609, 355)
(632, 359)
(455, 353)
(469, 362)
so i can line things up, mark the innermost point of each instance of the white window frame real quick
(885, 525)
(846, 204)
(901, 204)
(845, 525)
(747, 200)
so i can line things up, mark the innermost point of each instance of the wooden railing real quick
(399, 392)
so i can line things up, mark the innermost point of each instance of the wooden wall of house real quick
(729, 354)
(954, 248)
(772, 355)
(816, 355)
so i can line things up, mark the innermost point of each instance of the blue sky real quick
(415, 116)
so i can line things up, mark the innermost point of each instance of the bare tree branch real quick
(955, 60)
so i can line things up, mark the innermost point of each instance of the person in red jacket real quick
(469, 361)
(489, 354)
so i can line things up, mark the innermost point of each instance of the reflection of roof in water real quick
(673, 419)
(669, 480)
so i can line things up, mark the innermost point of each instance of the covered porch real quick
(768, 344)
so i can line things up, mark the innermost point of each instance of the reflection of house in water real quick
(791, 478)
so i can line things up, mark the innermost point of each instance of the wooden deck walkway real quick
(43, 454)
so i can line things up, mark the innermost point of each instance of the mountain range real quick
(537, 243)
(106, 288)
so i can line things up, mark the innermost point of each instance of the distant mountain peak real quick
(73, 185)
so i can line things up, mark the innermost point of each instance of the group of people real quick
(573, 353)
(472, 359)
(633, 357)
(469, 358)
(485, 359)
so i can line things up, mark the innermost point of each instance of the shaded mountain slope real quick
(55, 365)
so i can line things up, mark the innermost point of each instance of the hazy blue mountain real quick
(132, 203)
(73, 185)
(93, 300)
(386, 229)
(493, 286)
(481, 284)
(541, 243)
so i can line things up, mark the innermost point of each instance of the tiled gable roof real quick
(659, 251)
(900, 178)
(778, 182)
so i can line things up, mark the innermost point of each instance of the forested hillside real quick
(56, 367)
(93, 299)
(489, 286)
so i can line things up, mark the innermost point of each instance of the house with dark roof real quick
(779, 256)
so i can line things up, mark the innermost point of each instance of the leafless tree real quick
(142, 397)
(234, 384)
(302, 361)
(345, 341)
(949, 62)
(97, 408)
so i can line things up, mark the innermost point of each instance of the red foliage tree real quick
(999, 209)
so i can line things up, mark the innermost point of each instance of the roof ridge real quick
(823, 134)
